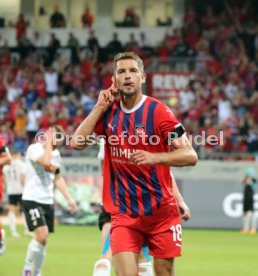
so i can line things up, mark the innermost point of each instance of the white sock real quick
(146, 269)
(12, 222)
(32, 252)
(104, 270)
(247, 220)
(253, 221)
(38, 261)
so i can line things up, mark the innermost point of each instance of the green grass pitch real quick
(73, 250)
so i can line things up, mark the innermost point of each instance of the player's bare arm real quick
(182, 155)
(61, 186)
(183, 208)
(106, 98)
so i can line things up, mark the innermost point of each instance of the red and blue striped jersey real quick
(129, 188)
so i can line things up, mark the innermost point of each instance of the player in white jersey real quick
(13, 176)
(43, 162)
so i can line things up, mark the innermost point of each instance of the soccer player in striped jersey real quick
(102, 266)
(137, 192)
(5, 159)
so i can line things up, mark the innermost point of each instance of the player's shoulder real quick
(113, 106)
(155, 101)
(160, 106)
(35, 146)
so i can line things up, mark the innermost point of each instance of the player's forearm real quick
(176, 192)
(61, 186)
(45, 160)
(178, 158)
(86, 128)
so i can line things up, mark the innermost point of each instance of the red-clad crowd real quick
(219, 47)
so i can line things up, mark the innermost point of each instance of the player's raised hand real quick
(50, 136)
(107, 96)
(184, 211)
(142, 157)
(72, 205)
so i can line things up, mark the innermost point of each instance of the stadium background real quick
(200, 58)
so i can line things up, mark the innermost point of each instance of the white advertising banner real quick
(212, 189)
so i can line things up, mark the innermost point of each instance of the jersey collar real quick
(144, 97)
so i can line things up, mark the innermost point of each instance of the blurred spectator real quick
(21, 28)
(53, 46)
(78, 118)
(37, 44)
(73, 44)
(3, 42)
(190, 16)
(192, 35)
(5, 57)
(249, 216)
(11, 86)
(132, 43)
(180, 53)
(20, 141)
(36, 40)
(93, 44)
(209, 22)
(131, 19)
(166, 22)
(143, 41)
(57, 19)
(114, 46)
(72, 104)
(89, 100)
(87, 18)
(106, 74)
(51, 80)
(40, 85)
(33, 119)
(186, 97)
(20, 120)
(31, 96)
(48, 116)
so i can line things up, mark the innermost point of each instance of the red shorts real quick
(162, 232)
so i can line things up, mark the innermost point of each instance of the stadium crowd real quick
(40, 88)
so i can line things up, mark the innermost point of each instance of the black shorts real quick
(15, 199)
(38, 214)
(104, 217)
(248, 199)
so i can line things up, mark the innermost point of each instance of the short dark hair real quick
(128, 55)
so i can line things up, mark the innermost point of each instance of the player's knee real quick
(159, 271)
(42, 238)
(164, 267)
